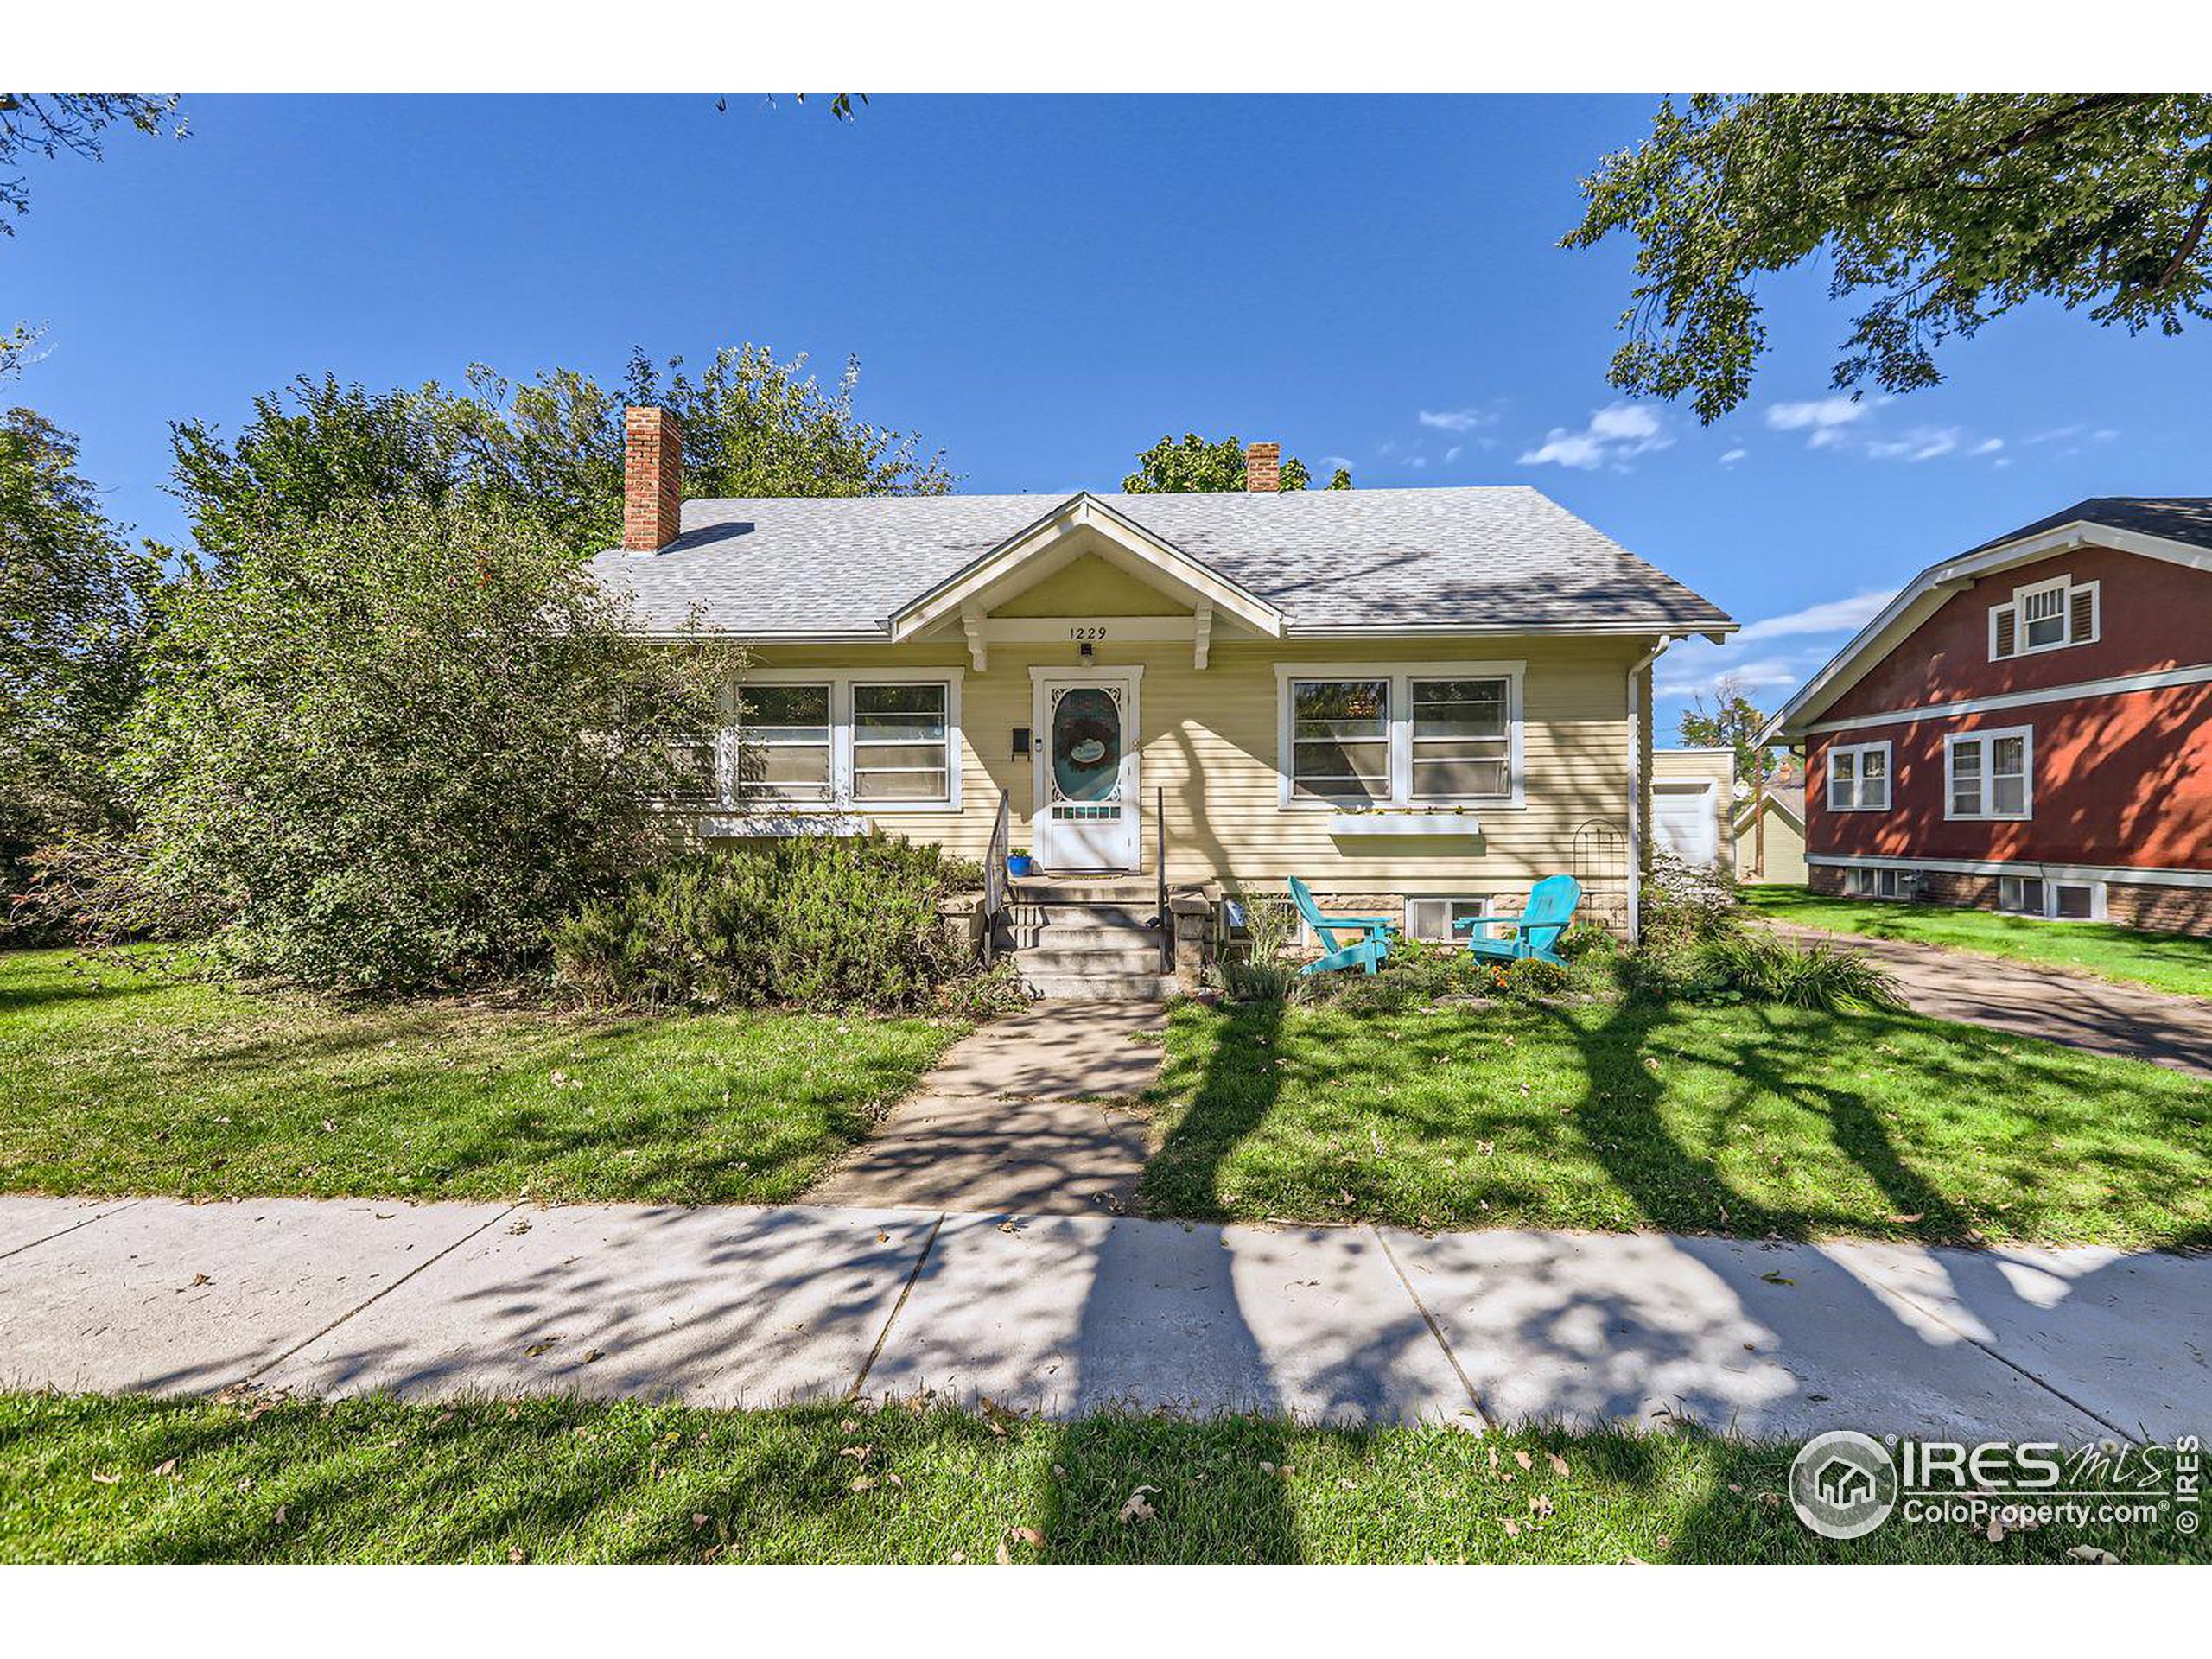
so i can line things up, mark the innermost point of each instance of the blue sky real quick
(1042, 287)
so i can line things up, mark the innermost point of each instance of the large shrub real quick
(391, 748)
(814, 920)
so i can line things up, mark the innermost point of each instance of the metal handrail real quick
(1160, 846)
(994, 876)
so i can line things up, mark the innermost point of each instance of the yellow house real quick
(1783, 837)
(1420, 701)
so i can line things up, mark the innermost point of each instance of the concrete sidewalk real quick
(1034, 1113)
(2033, 1002)
(1067, 1313)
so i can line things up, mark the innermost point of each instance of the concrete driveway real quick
(1067, 1313)
(2032, 1002)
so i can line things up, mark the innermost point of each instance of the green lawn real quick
(2165, 961)
(1742, 1118)
(113, 1082)
(87, 1478)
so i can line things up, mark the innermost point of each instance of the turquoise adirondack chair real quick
(1372, 946)
(1536, 929)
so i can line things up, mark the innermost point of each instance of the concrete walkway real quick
(2032, 1002)
(1035, 1113)
(1067, 1314)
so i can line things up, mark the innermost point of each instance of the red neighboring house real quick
(2028, 726)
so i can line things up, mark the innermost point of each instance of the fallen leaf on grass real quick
(698, 1521)
(1524, 1460)
(2091, 1553)
(283, 1510)
(104, 1480)
(1558, 1464)
(537, 1348)
(1136, 1508)
(517, 1557)
(167, 1467)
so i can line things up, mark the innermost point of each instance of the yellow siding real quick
(1088, 586)
(1209, 741)
(1785, 850)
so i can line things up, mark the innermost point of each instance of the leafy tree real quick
(70, 602)
(1944, 211)
(1730, 721)
(548, 450)
(391, 748)
(308, 449)
(1194, 463)
(57, 124)
(752, 426)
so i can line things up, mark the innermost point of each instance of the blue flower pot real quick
(1021, 864)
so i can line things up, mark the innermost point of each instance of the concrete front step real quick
(1142, 958)
(1081, 916)
(1100, 987)
(1080, 890)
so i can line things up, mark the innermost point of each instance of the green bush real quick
(1534, 980)
(814, 921)
(1816, 976)
(390, 749)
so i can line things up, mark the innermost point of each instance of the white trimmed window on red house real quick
(2044, 616)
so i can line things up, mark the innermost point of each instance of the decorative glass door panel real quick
(1089, 819)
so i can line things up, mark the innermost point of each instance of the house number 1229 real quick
(1087, 633)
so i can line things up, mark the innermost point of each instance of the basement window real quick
(1882, 881)
(2052, 901)
(1433, 920)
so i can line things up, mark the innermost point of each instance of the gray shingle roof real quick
(2176, 518)
(1479, 558)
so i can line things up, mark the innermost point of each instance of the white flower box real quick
(1404, 823)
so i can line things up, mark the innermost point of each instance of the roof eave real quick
(1919, 598)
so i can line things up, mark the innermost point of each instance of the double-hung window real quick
(881, 743)
(1340, 740)
(1859, 778)
(1462, 739)
(899, 742)
(788, 730)
(1989, 774)
(2044, 616)
(1437, 734)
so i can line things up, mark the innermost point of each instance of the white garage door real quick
(1685, 822)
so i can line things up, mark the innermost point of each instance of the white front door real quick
(1089, 813)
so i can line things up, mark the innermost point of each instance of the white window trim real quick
(1407, 901)
(2065, 587)
(1401, 677)
(1987, 736)
(2050, 886)
(841, 682)
(1858, 777)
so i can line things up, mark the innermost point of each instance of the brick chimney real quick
(652, 480)
(1263, 467)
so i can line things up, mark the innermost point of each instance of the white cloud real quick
(1920, 443)
(1820, 415)
(1686, 674)
(1453, 453)
(1830, 616)
(1733, 456)
(1330, 463)
(1416, 462)
(1615, 433)
(1989, 446)
(1457, 420)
